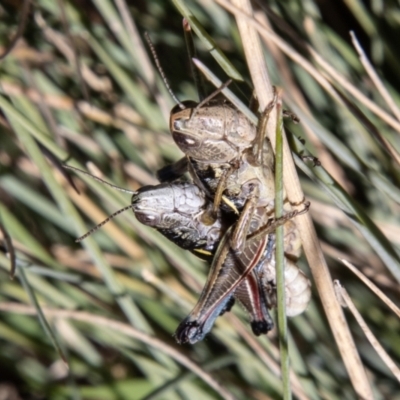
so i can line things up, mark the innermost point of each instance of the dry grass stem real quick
(374, 76)
(373, 287)
(293, 96)
(368, 333)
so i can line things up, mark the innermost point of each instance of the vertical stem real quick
(197, 77)
(280, 257)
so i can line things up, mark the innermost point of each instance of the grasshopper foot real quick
(188, 332)
(261, 327)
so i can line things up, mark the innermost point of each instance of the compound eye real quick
(183, 140)
(190, 142)
(148, 218)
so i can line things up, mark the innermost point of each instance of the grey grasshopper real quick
(176, 210)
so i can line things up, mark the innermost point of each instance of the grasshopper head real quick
(161, 205)
(215, 133)
(149, 205)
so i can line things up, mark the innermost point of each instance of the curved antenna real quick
(210, 97)
(99, 179)
(98, 226)
(161, 71)
(94, 229)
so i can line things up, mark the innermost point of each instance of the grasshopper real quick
(168, 208)
(231, 159)
(249, 186)
(226, 154)
(229, 269)
(175, 211)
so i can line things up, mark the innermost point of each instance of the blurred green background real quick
(79, 87)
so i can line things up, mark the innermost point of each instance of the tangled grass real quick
(94, 320)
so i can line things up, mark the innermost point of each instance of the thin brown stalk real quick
(374, 76)
(293, 95)
(345, 298)
(373, 287)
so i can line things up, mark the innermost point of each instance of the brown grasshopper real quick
(228, 157)
(231, 159)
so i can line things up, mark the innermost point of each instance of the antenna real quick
(99, 179)
(161, 71)
(98, 226)
(94, 229)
